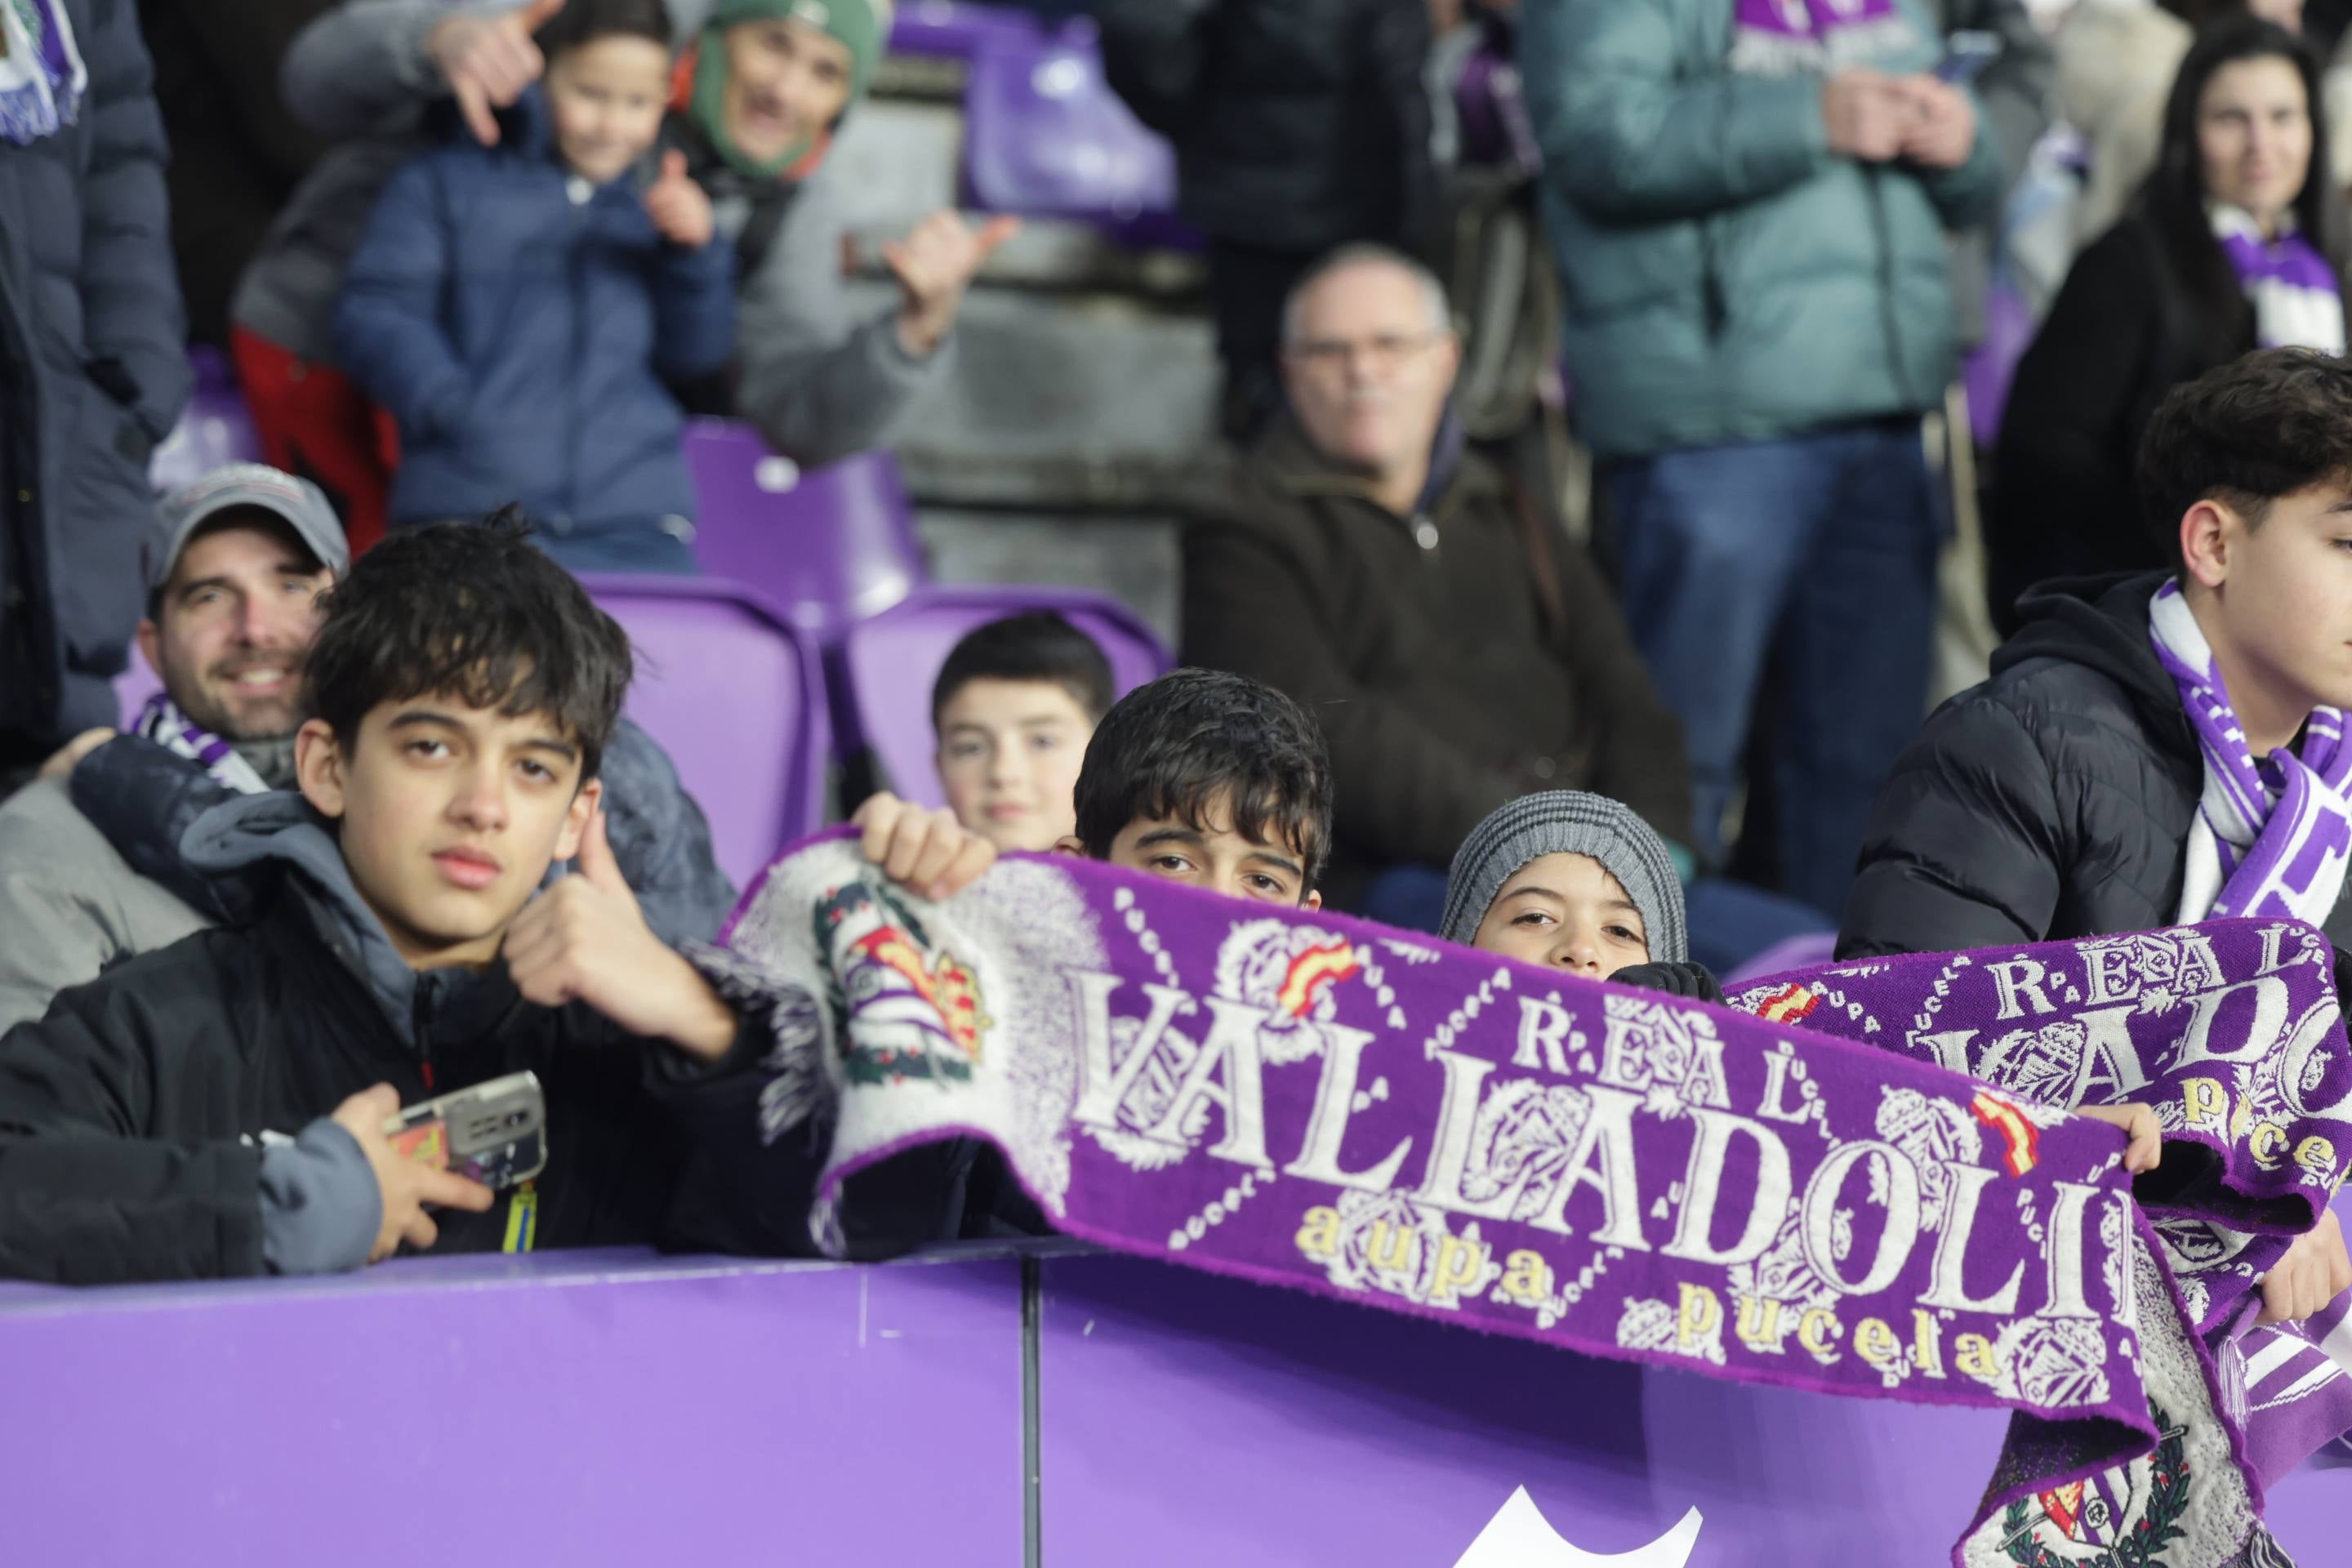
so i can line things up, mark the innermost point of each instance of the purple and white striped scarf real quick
(2298, 300)
(1792, 38)
(2271, 833)
(41, 74)
(163, 723)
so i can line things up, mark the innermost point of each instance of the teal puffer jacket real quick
(1726, 278)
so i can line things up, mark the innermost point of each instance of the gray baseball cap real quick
(297, 503)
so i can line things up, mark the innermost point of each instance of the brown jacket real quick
(1443, 681)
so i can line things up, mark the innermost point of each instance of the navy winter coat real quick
(92, 374)
(518, 324)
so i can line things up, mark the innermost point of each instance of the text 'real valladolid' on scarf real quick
(1862, 1181)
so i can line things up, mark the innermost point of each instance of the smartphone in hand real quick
(1966, 54)
(493, 1132)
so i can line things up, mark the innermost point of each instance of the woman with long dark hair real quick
(2237, 241)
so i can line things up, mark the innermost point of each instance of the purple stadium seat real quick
(952, 29)
(1045, 137)
(892, 660)
(734, 693)
(829, 545)
(215, 429)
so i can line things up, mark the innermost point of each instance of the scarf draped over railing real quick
(1861, 1182)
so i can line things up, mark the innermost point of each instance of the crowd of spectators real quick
(476, 265)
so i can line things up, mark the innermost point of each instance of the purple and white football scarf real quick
(1861, 1183)
(2272, 834)
(1790, 38)
(41, 75)
(2298, 299)
(163, 723)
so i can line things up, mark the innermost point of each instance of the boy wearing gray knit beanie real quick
(1575, 882)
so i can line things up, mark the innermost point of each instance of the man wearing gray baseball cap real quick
(234, 568)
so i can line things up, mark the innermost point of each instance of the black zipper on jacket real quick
(1882, 232)
(420, 1021)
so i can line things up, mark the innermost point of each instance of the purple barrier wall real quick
(559, 1409)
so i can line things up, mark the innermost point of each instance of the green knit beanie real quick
(862, 27)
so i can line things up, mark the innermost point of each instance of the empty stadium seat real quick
(951, 29)
(734, 693)
(828, 545)
(1045, 136)
(891, 660)
(215, 428)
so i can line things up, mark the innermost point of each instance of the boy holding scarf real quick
(2162, 748)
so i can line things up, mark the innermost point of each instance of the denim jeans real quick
(1818, 553)
(1729, 921)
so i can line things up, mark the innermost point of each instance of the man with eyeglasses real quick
(1455, 649)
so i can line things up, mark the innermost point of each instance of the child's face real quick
(449, 817)
(1215, 856)
(607, 97)
(1567, 912)
(1009, 758)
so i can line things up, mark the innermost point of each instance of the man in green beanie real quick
(764, 88)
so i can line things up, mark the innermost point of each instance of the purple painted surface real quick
(736, 696)
(892, 660)
(828, 544)
(569, 1409)
(2009, 329)
(1189, 1420)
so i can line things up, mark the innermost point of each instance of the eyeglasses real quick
(1384, 352)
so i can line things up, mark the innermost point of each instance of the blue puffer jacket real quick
(92, 374)
(518, 323)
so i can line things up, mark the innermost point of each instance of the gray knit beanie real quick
(1569, 822)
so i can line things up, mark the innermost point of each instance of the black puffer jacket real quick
(1298, 125)
(92, 374)
(2052, 801)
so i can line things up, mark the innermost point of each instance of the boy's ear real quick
(575, 818)
(318, 766)
(1070, 846)
(1313, 900)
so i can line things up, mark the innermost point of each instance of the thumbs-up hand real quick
(934, 264)
(584, 939)
(488, 60)
(677, 205)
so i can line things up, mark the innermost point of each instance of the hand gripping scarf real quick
(2271, 833)
(1864, 1181)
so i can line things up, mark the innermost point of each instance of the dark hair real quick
(2211, 304)
(585, 21)
(475, 610)
(1037, 644)
(2264, 426)
(1168, 750)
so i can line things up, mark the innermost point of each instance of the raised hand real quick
(928, 851)
(61, 762)
(934, 266)
(584, 939)
(404, 1185)
(677, 205)
(2138, 1124)
(488, 60)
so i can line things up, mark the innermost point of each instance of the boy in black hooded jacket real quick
(218, 1106)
